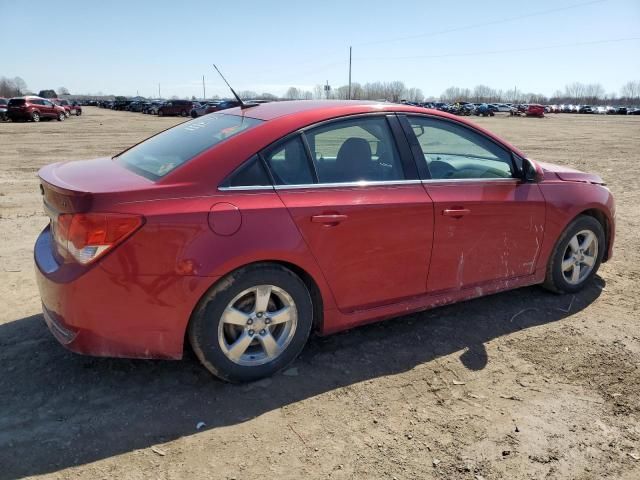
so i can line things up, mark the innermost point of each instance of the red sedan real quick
(245, 230)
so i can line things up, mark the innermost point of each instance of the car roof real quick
(321, 108)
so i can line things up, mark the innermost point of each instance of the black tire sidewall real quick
(555, 268)
(203, 328)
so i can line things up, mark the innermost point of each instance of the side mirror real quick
(531, 172)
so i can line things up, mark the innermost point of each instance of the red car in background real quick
(34, 109)
(244, 231)
(534, 110)
(70, 107)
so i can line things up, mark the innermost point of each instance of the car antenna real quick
(242, 104)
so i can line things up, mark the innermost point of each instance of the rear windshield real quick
(17, 101)
(159, 155)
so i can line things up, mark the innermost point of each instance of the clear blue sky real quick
(121, 47)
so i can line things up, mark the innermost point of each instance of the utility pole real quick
(204, 92)
(349, 98)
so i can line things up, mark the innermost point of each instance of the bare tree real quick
(63, 91)
(292, 94)
(630, 91)
(12, 87)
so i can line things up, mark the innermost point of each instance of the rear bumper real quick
(18, 115)
(94, 312)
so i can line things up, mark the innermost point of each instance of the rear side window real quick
(159, 155)
(17, 102)
(289, 163)
(358, 149)
(251, 174)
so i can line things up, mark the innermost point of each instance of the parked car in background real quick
(633, 111)
(586, 109)
(121, 104)
(201, 109)
(34, 109)
(3, 109)
(299, 199)
(176, 107)
(600, 110)
(70, 107)
(534, 110)
(153, 108)
(501, 107)
(135, 106)
(484, 110)
(622, 110)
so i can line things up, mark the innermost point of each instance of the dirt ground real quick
(520, 385)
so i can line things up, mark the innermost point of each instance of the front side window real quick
(358, 149)
(453, 151)
(166, 151)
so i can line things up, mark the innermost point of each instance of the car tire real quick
(67, 114)
(577, 256)
(61, 117)
(183, 113)
(194, 114)
(35, 116)
(160, 114)
(249, 344)
(78, 113)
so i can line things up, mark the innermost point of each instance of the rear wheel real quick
(577, 256)
(35, 116)
(252, 324)
(78, 113)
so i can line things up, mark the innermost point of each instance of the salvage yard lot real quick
(524, 384)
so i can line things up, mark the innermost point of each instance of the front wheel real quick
(61, 116)
(252, 324)
(577, 256)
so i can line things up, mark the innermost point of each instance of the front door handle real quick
(455, 212)
(330, 219)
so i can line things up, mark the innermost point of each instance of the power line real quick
(322, 68)
(483, 24)
(511, 50)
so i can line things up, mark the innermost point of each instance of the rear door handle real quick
(329, 218)
(455, 212)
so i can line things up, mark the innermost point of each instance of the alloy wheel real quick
(257, 325)
(580, 257)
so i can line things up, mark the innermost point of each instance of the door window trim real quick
(423, 169)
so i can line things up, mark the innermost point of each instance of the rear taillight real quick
(88, 236)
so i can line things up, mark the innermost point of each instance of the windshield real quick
(161, 154)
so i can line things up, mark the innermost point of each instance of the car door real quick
(47, 109)
(352, 188)
(489, 223)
